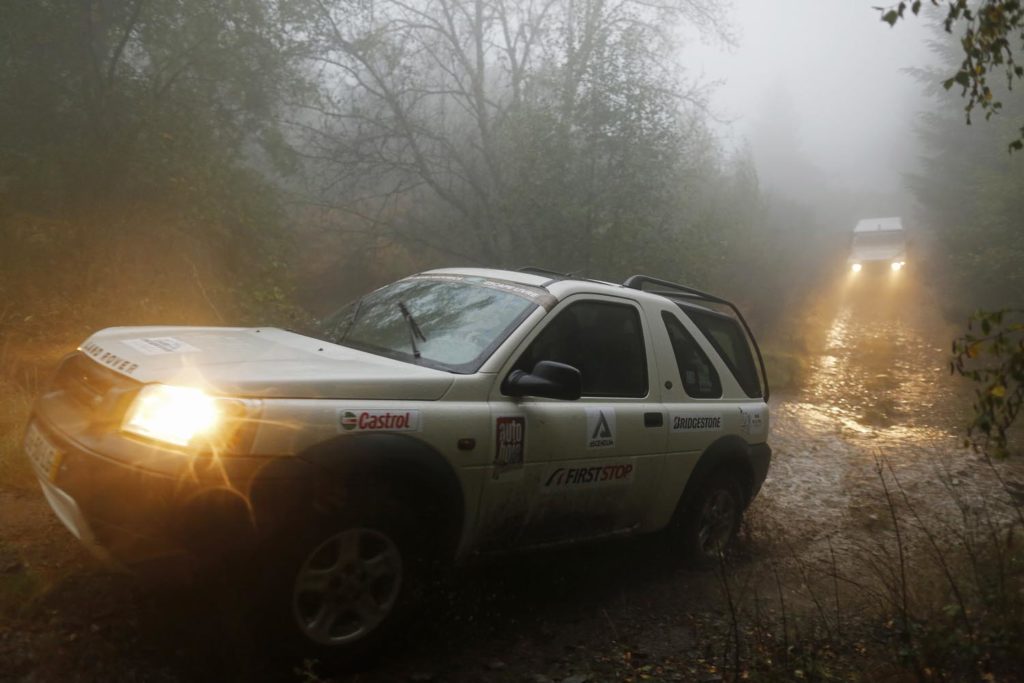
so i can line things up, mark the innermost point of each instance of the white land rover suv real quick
(453, 412)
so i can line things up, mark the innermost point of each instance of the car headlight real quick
(896, 265)
(183, 416)
(855, 267)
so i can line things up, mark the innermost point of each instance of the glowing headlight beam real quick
(856, 267)
(896, 265)
(173, 414)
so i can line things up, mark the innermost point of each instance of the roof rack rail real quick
(638, 282)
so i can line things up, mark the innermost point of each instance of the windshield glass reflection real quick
(454, 325)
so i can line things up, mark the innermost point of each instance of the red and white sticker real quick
(510, 441)
(379, 420)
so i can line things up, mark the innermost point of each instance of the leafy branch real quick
(994, 30)
(991, 353)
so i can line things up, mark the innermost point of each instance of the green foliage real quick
(972, 196)
(991, 354)
(131, 132)
(993, 35)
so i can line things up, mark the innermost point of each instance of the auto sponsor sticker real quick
(695, 422)
(379, 420)
(600, 427)
(154, 346)
(510, 441)
(595, 476)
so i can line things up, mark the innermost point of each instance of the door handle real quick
(653, 419)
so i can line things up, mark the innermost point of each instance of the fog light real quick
(896, 265)
(855, 267)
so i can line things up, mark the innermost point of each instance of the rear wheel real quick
(711, 520)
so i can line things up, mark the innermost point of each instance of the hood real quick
(260, 362)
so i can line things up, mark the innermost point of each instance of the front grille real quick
(101, 392)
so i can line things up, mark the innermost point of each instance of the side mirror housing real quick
(548, 380)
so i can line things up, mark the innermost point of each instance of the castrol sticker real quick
(379, 420)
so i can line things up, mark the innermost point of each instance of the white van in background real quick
(878, 243)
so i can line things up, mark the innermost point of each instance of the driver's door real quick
(567, 470)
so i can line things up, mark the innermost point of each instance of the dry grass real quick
(15, 404)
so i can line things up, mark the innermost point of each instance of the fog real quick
(819, 90)
(188, 189)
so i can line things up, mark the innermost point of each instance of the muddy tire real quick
(343, 586)
(708, 523)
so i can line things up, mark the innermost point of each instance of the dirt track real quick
(879, 388)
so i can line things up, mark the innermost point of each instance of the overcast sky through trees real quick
(825, 76)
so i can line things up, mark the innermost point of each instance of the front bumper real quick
(71, 516)
(199, 510)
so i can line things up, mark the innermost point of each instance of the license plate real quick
(43, 454)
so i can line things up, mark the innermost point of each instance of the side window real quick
(699, 377)
(604, 341)
(725, 335)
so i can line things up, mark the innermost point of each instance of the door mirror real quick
(548, 380)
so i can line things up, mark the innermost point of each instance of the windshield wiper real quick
(352, 319)
(414, 329)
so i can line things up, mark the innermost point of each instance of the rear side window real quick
(727, 337)
(698, 375)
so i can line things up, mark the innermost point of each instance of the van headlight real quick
(183, 416)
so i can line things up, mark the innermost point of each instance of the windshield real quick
(449, 322)
(882, 238)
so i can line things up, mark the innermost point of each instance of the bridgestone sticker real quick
(600, 428)
(565, 478)
(510, 441)
(689, 422)
(379, 420)
(154, 346)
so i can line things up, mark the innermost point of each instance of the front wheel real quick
(344, 586)
(347, 587)
(711, 520)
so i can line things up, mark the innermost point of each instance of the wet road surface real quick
(879, 392)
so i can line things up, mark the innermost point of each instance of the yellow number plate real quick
(43, 454)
